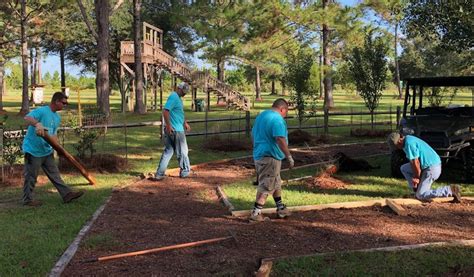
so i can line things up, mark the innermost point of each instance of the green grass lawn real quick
(374, 184)
(430, 261)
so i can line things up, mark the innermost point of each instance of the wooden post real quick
(161, 92)
(69, 157)
(398, 116)
(326, 120)
(247, 123)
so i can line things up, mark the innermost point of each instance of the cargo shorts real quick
(268, 172)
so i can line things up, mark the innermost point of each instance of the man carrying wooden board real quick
(38, 153)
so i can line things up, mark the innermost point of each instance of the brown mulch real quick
(103, 163)
(300, 137)
(155, 214)
(229, 144)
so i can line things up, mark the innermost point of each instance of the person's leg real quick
(428, 176)
(182, 154)
(169, 141)
(32, 165)
(408, 174)
(51, 170)
(266, 185)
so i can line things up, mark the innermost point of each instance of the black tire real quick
(469, 165)
(398, 158)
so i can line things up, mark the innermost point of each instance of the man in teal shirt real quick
(270, 147)
(174, 137)
(38, 153)
(423, 169)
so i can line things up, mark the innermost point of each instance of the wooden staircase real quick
(198, 79)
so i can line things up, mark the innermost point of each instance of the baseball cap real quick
(392, 140)
(183, 86)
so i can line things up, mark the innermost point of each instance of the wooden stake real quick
(70, 158)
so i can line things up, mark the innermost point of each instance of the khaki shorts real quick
(268, 172)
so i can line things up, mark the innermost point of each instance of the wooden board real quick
(397, 208)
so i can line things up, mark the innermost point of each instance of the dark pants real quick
(32, 166)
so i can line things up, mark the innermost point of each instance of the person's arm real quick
(166, 115)
(39, 128)
(416, 168)
(281, 141)
(186, 126)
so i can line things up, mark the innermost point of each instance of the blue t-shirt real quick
(34, 144)
(417, 148)
(267, 127)
(175, 106)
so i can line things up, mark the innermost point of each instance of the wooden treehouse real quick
(155, 60)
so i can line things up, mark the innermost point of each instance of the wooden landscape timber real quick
(224, 199)
(267, 263)
(351, 205)
(70, 158)
(397, 208)
(161, 249)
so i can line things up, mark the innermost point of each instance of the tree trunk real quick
(25, 104)
(2, 79)
(328, 98)
(137, 41)
(283, 88)
(397, 69)
(102, 79)
(220, 69)
(38, 65)
(32, 67)
(258, 95)
(321, 77)
(273, 87)
(63, 69)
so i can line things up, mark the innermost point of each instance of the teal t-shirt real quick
(268, 125)
(175, 106)
(34, 144)
(417, 148)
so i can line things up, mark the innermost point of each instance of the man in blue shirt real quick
(270, 147)
(174, 137)
(38, 153)
(423, 169)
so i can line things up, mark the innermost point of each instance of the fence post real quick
(1, 151)
(247, 123)
(326, 120)
(399, 113)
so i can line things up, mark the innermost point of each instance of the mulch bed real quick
(155, 214)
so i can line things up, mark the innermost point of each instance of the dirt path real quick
(154, 214)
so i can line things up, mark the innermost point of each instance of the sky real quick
(51, 62)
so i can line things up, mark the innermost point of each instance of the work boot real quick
(33, 203)
(456, 193)
(72, 195)
(283, 212)
(258, 217)
(156, 178)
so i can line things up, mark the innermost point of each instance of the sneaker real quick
(258, 217)
(283, 212)
(456, 193)
(72, 195)
(33, 203)
(156, 178)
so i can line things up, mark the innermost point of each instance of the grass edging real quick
(64, 260)
(267, 263)
(349, 205)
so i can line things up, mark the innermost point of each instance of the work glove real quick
(39, 129)
(291, 161)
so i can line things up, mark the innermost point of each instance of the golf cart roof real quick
(461, 81)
